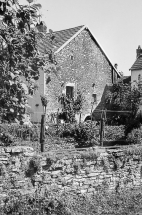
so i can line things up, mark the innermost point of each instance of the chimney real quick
(116, 65)
(138, 51)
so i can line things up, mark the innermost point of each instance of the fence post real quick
(102, 126)
(101, 131)
(42, 132)
(79, 118)
(57, 121)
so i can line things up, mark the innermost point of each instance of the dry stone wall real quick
(85, 171)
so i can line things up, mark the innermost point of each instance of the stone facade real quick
(22, 170)
(82, 63)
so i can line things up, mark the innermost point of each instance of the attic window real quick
(71, 55)
(94, 97)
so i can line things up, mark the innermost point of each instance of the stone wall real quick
(21, 169)
(82, 63)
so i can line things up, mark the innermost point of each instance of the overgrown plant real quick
(122, 97)
(20, 61)
(70, 106)
(125, 202)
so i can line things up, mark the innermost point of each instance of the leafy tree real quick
(122, 98)
(20, 60)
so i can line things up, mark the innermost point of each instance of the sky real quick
(115, 24)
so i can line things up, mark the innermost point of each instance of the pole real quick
(102, 126)
(101, 131)
(42, 132)
(79, 118)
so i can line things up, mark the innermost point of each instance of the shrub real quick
(66, 130)
(33, 166)
(135, 136)
(84, 135)
(114, 132)
(133, 122)
(11, 132)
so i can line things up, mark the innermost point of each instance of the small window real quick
(70, 92)
(94, 97)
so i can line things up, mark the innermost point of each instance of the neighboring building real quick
(136, 69)
(126, 79)
(83, 65)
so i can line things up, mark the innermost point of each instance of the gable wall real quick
(88, 66)
(134, 76)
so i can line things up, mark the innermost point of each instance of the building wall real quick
(35, 100)
(134, 76)
(81, 63)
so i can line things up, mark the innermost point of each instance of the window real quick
(70, 92)
(94, 97)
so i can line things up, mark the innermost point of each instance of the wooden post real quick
(91, 115)
(102, 126)
(79, 118)
(42, 132)
(101, 131)
(57, 121)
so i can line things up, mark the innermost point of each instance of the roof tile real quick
(61, 37)
(137, 64)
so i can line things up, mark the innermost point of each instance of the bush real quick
(133, 122)
(11, 132)
(84, 135)
(135, 136)
(114, 132)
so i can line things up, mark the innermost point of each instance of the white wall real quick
(134, 76)
(35, 101)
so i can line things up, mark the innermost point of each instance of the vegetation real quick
(70, 107)
(122, 98)
(20, 60)
(135, 136)
(125, 202)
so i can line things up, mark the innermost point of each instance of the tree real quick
(122, 98)
(20, 60)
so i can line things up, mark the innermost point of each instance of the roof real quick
(63, 37)
(137, 64)
(125, 79)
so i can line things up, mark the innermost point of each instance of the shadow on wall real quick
(96, 116)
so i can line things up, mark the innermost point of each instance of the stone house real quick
(83, 66)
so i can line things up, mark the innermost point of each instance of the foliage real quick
(114, 132)
(20, 61)
(122, 98)
(132, 123)
(12, 132)
(135, 136)
(70, 107)
(125, 202)
(33, 166)
(84, 135)
(44, 101)
(66, 130)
